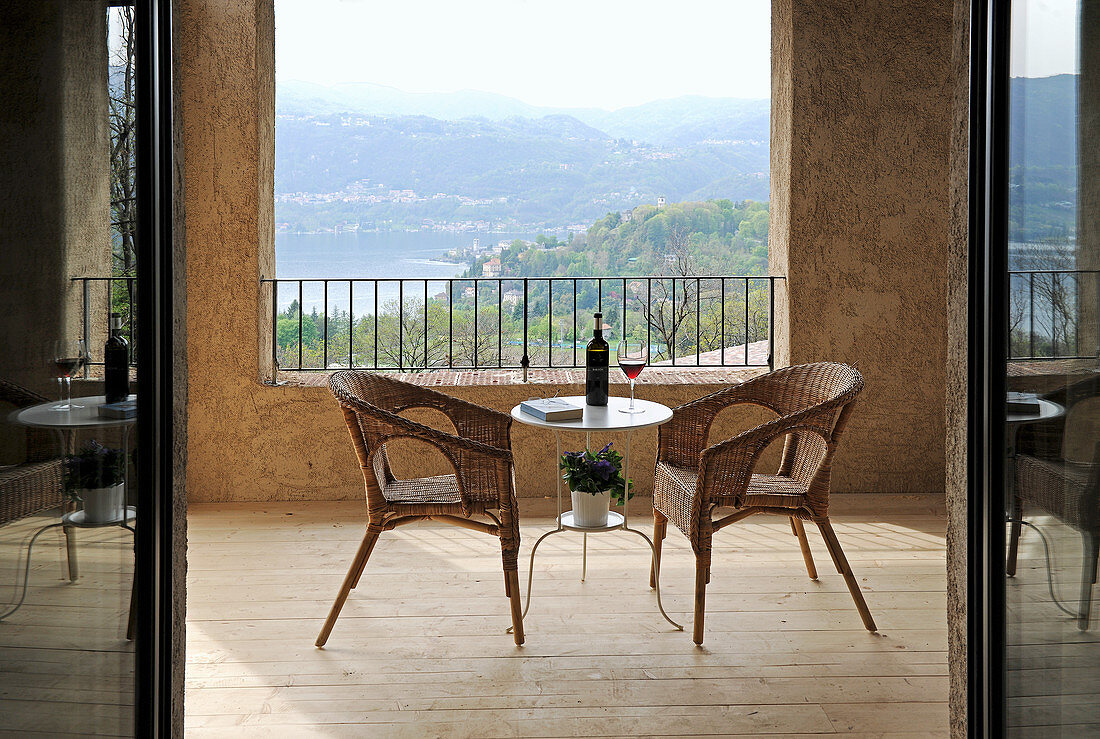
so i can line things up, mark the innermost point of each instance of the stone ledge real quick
(488, 377)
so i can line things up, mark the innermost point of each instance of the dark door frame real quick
(154, 542)
(988, 354)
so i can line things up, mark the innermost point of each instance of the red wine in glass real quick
(632, 357)
(68, 357)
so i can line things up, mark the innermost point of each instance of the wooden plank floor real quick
(66, 667)
(421, 648)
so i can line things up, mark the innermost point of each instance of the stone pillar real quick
(54, 184)
(957, 364)
(861, 127)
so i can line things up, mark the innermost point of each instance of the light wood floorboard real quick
(421, 650)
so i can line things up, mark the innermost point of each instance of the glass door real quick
(82, 476)
(1035, 374)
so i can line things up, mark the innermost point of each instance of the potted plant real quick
(94, 476)
(593, 478)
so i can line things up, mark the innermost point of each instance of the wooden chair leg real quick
(70, 552)
(807, 555)
(350, 581)
(1088, 578)
(1014, 539)
(660, 527)
(133, 611)
(833, 545)
(512, 578)
(702, 576)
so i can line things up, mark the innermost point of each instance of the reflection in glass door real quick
(1051, 484)
(69, 498)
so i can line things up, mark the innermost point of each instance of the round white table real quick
(67, 423)
(600, 419)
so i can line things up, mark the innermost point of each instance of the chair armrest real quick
(682, 440)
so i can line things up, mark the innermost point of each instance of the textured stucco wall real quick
(861, 127)
(54, 187)
(957, 346)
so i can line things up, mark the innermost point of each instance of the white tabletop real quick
(43, 415)
(604, 418)
(1048, 409)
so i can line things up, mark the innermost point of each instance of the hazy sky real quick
(585, 53)
(1044, 37)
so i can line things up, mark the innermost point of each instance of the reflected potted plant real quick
(95, 477)
(593, 479)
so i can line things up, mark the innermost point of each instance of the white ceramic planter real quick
(104, 505)
(590, 509)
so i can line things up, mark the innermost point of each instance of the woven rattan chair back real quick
(33, 483)
(695, 476)
(478, 452)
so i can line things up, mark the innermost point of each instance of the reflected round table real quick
(599, 419)
(67, 423)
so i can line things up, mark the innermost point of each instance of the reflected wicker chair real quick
(1068, 488)
(692, 480)
(34, 485)
(479, 453)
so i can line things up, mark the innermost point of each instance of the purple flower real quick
(603, 469)
(604, 450)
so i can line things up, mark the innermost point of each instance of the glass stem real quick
(631, 393)
(60, 390)
(69, 392)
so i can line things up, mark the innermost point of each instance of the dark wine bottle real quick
(596, 358)
(116, 363)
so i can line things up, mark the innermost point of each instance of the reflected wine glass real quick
(632, 356)
(69, 355)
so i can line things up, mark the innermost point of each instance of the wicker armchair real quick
(1068, 488)
(692, 480)
(479, 453)
(35, 484)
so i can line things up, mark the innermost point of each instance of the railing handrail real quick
(545, 295)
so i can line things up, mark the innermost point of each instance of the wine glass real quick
(69, 355)
(632, 356)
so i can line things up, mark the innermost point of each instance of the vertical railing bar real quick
(351, 324)
(274, 332)
(526, 358)
(599, 290)
(1077, 305)
(771, 323)
(324, 346)
(1055, 282)
(623, 337)
(375, 324)
(574, 321)
(722, 330)
(87, 320)
(110, 305)
(746, 321)
(401, 324)
(550, 322)
(450, 324)
(475, 323)
(500, 322)
(698, 313)
(301, 312)
(672, 349)
(648, 312)
(1031, 315)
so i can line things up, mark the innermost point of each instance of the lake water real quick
(395, 255)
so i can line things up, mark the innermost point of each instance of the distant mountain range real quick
(677, 121)
(375, 155)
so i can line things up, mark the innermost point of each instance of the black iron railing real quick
(502, 322)
(1046, 308)
(118, 297)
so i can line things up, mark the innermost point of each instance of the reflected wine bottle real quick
(596, 358)
(116, 363)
